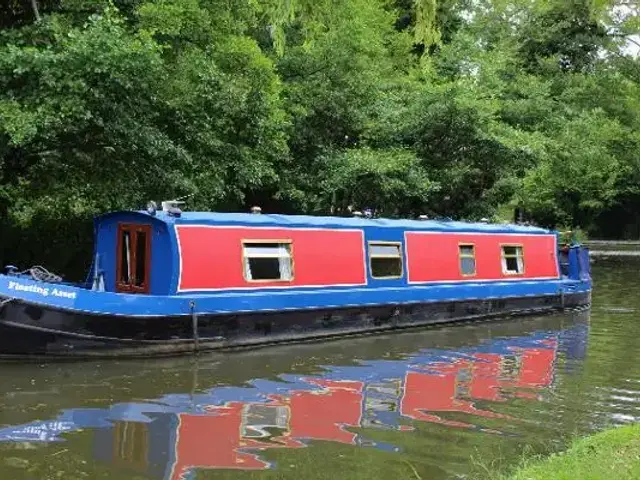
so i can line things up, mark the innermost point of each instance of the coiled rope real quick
(38, 272)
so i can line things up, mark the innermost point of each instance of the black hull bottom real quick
(29, 331)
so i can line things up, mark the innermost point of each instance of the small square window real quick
(512, 260)
(266, 261)
(467, 260)
(385, 260)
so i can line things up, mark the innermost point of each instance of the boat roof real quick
(310, 221)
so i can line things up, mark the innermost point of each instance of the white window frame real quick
(467, 255)
(519, 256)
(284, 253)
(372, 256)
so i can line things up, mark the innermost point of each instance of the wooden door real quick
(134, 258)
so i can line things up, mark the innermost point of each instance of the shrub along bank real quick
(612, 454)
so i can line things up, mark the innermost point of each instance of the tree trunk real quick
(34, 6)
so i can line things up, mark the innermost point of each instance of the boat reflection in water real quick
(232, 427)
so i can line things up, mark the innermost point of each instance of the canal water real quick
(445, 403)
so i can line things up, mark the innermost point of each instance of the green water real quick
(434, 404)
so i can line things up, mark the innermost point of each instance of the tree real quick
(332, 79)
(313, 13)
(391, 182)
(226, 98)
(564, 36)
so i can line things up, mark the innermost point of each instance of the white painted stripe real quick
(495, 280)
(331, 289)
(406, 257)
(364, 257)
(439, 232)
(312, 229)
(177, 232)
(427, 282)
(273, 287)
(282, 287)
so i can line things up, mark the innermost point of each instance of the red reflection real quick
(535, 370)
(485, 381)
(443, 389)
(324, 414)
(232, 436)
(212, 441)
(233, 430)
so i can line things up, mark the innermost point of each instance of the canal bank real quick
(611, 454)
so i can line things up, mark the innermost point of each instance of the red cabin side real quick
(211, 256)
(435, 257)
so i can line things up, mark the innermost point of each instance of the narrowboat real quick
(165, 282)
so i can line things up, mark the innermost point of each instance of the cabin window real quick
(268, 261)
(134, 243)
(512, 260)
(385, 260)
(467, 260)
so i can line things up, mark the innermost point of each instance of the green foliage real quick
(579, 171)
(392, 181)
(80, 109)
(426, 31)
(332, 81)
(452, 108)
(563, 36)
(314, 15)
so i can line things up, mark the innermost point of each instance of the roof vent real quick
(171, 207)
(152, 208)
(256, 210)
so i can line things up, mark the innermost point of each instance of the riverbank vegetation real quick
(610, 454)
(454, 108)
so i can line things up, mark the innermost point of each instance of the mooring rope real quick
(38, 272)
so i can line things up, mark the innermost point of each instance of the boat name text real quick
(44, 291)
